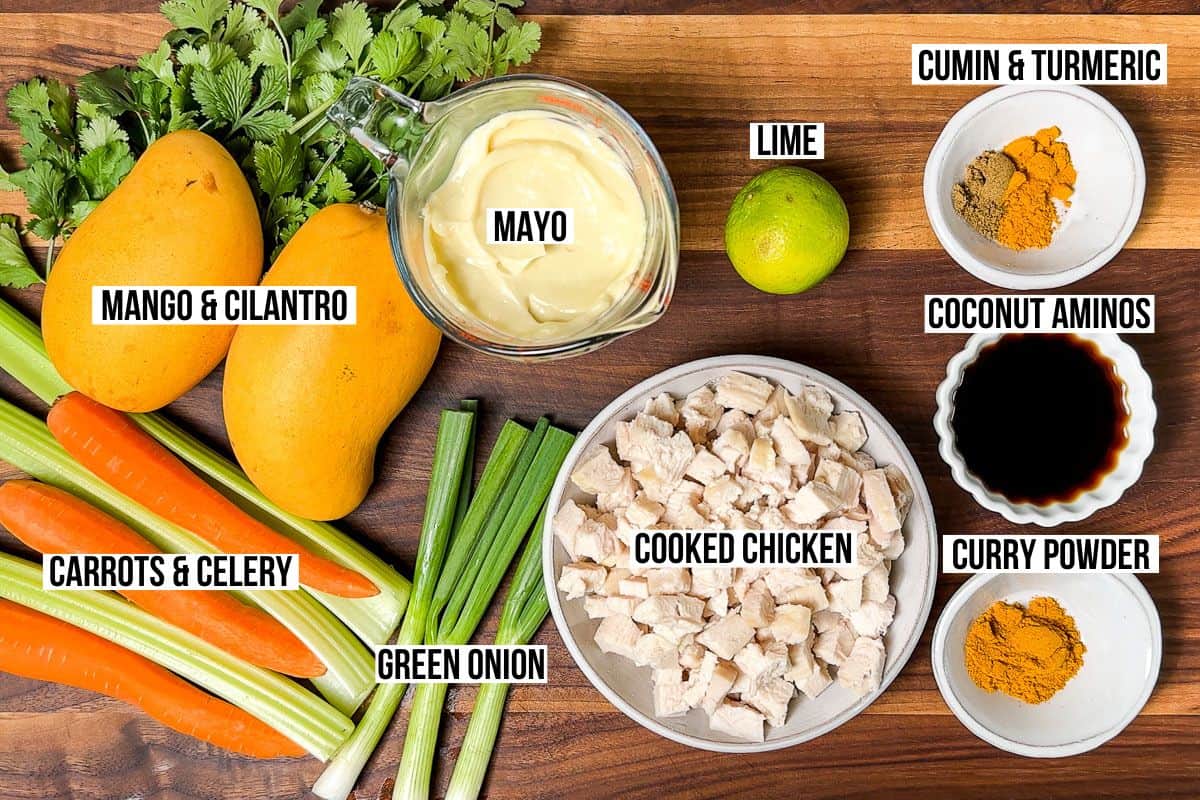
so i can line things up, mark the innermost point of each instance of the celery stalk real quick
(374, 619)
(525, 608)
(27, 444)
(490, 556)
(454, 436)
(280, 703)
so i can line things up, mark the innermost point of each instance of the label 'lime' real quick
(786, 231)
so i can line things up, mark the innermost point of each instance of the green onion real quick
(374, 619)
(464, 488)
(26, 443)
(277, 701)
(449, 457)
(483, 571)
(525, 608)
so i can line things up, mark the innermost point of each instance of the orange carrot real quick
(124, 456)
(35, 645)
(52, 521)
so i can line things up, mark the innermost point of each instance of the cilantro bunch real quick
(259, 79)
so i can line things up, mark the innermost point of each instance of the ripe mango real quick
(184, 216)
(306, 405)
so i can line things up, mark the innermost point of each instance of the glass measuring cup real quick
(372, 114)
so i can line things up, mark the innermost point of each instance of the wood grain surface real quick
(694, 81)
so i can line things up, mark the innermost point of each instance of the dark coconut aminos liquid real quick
(1040, 418)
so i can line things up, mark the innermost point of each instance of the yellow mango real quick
(184, 216)
(306, 405)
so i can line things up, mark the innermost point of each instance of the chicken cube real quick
(801, 663)
(709, 581)
(732, 447)
(862, 670)
(722, 493)
(612, 581)
(894, 548)
(875, 583)
(844, 481)
(699, 679)
(814, 501)
(567, 523)
(758, 606)
(634, 586)
(817, 682)
(810, 416)
(580, 577)
(670, 692)
(902, 491)
(761, 460)
(737, 720)
(618, 634)
(652, 650)
(663, 609)
(644, 512)
(620, 604)
(877, 493)
(723, 677)
(662, 405)
(848, 431)
(833, 646)
(664, 469)
(872, 619)
(683, 507)
(743, 392)
(758, 663)
(826, 620)
(668, 580)
(771, 697)
(596, 607)
(637, 440)
(705, 467)
(691, 655)
(596, 471)
(727, 636)
(792, 623)
(845, 596)
(596, 541)
(717, 605)
(700, 413)
(622, 496)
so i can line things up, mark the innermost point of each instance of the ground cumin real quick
(1044, 173)
(1028, 653)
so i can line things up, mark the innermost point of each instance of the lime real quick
(786, 231)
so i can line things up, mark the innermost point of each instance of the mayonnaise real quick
(535, 292)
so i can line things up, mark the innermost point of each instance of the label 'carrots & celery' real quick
(53, 521)
(38, 646)
(120, 453)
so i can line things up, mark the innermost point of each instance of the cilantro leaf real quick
(15, 269)
(101, 169)
(224, 95)
(516, 46)
(278, 166)
(199, 14)
(101, 129)
(350, 26)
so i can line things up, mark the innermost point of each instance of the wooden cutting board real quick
(695, 80)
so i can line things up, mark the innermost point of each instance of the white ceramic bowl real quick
(914, 574)
(1119, 626)
(1139, 400)
(1108, 193)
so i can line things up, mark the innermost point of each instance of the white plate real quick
(914, 574)
(1118, 625)
(1108, 193)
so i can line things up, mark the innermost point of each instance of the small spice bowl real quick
(1104, 209)
(1139, 402)
(1118, 624)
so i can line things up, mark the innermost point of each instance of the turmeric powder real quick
(1044, 173)
(1027, 653)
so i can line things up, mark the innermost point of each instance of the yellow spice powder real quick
(1028, 653)
(1044, 173)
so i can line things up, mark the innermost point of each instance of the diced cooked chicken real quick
(737, 720)
(738, 642)
(618, 634)
(845, 596)
(727, 635)
(862, 669)
(844, 481)
(834, 645)
(848, 430)
(700, 413)
(817, 682)
(792, 623)
(872, 618)
(668, 580)
(597, 472)
(652, 650)
(644, 512)
(758, 606)
(670, 692)
(723, 677)
(743, 392)
(581, 577)
(705, 467)
(814, 501)
(771, 697)
(877, 493)
(662, 405)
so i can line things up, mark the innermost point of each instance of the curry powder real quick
(1028, 653)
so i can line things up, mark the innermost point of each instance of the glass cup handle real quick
(367, 110)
